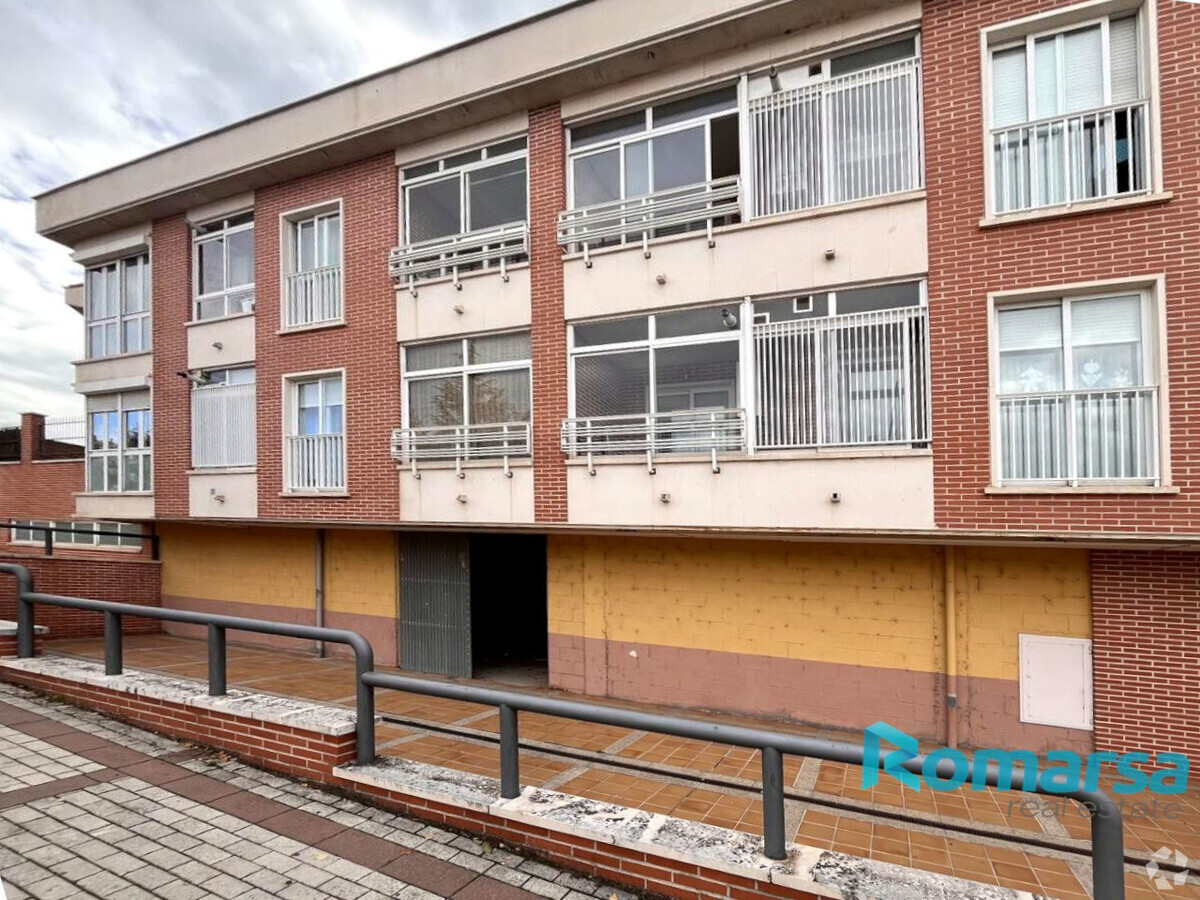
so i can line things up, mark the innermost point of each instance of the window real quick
(315, 436)
(1078, 400)
(471, 191)
(223, 263)
(223, 419)
(78, 534)
(117, 305)
(1069, 116)
(118, 454)
(312, 266)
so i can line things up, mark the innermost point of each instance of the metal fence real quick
(67, 430)
(316, 462)
(461, 442)
(1108, 855)
(47, 532)
(223, 425)
(457, 253)
(695, 431)
(313, 296)
(843, 139)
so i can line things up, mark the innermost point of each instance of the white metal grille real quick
(313, 296)
(839, 381)
(223, 425)
(458, 253)
(315, 462)
(1067, 159)
(461, 442)
(848, 138)
(1080, 436)
(696, 431)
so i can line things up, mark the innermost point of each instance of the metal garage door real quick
(435, 603)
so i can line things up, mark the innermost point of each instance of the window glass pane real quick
(212, 266)
(240, 246)
(309, 393)
(1045, 77)
(679, 159)
(96, 473)
(637, 168)
(706, 369)
(608, 129)
(726, 146)
(1123, 60)
(306, 245)
(111, 339)
(111, 470)
(133, 336)
(95, 294)
(504, 147)
(133, 429)
(462, 159)
(497, 194)
(1031, 327)
(612, 384)
(615, 332)
(239, 376)
(874, 56)
(433, 356)
(435, 401)
(147, 472)
(695, 107)
(421, 170)
(500, 397)
(333, 240)
(333, 390)
(1106, 336)
(787, 308)
(434, 210)
(499, 348)
(333, 423)
(132, 294)
(886, 296)
(596, 178)
(690, 321)
(1030, 349)
(1083, 69)
(104, 540)
(1008, 87)
(112, 290)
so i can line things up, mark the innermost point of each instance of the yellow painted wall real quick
(360, 573)
(856, 604)
(268, 566)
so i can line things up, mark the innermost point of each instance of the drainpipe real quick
(320, 592)
(951, 650)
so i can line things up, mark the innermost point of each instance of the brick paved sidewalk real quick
(94, 808)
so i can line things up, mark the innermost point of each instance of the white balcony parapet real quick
(315, 462)
(502, 441)
(313, 296)
(1088, 155)
(455, 253)
(1079, 437)
(642, 218)
(695, 431)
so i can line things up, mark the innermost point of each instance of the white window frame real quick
(1086, 723)
(289, 258)
(120, 318)
(124, 455)
(1152, 291)
(1025, 32)
(133, 542)
(291, 420)
(465, 370)
(227, 290)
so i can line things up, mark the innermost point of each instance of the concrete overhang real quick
(586, 45)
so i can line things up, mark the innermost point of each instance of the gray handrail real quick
(1108, 853)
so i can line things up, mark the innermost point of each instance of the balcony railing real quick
(223, 431)
(461, 442)
(315, 462)
(457, 253)
(845, 139)
(641, 218)
(313, 296)
(1074, 437)
(1068, 159)
(843, 381)
(707, 431)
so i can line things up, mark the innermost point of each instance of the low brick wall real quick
(127, 580)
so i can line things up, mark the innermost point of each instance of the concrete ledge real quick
(664, 839)
(9, 629)
(329, 721)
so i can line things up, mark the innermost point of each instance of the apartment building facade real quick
(814, 363)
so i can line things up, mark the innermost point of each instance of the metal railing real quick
(313, 296)
(1067, 159)
(316, 462)
(853, 380)
(461, 442)
(456, 253)
(48, 532)
(651, 215)
(67, 430)
(847, 138)
(1077, 437)
(709, 431)
(1108, 852)
(223, 432)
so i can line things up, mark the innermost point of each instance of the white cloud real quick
(88, 85)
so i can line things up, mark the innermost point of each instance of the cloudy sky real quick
(86, 84)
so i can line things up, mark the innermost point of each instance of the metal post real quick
(774, 843)
(25, 628)
(510, 761)
(364, 717)
(216, 661)
(48, 539)
(1108, 852)
(113, 664)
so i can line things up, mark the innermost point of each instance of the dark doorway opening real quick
(509, 628)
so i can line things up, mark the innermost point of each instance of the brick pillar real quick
(171, 261)
(547, 198)
(33, 432)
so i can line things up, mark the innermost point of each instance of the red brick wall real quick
(966, 262)
(170, 266)
(547, 198)
(1146, 650)
(365, 345)
(126, 580)
(35, 488)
